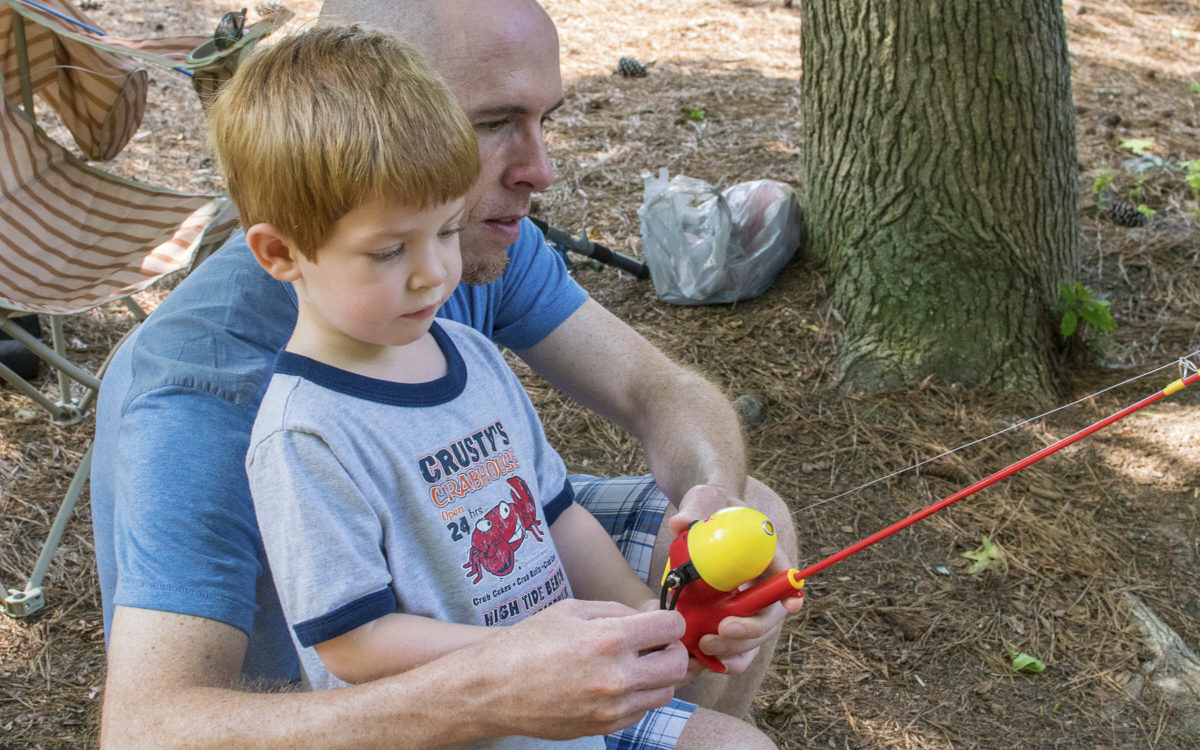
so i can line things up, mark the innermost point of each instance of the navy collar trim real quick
(432, 393)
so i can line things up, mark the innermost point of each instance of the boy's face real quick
(380, 276)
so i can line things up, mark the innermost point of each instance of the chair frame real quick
(78, 387)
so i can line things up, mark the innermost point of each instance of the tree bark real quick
(940, 185)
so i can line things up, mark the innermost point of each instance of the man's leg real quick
(635, 514)
(682, 726)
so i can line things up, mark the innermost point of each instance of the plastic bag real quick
(705, 246)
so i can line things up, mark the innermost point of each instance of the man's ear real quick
(274, 251)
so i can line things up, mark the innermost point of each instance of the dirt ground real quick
(899, 646)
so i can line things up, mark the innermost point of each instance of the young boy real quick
(405, 491)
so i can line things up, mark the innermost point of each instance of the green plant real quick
(989, 556)
(1145, 210)
(1193, 176)
(1078, 304)
(1102, 186)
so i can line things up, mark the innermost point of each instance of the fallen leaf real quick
(1023, 662)
(989, 556)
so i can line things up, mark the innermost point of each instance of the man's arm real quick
(689, 431)
(171, 684)
(691, 436)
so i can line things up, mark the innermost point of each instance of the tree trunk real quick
(940, 185)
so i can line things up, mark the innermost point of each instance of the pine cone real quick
(1126, 215)
(629, 67)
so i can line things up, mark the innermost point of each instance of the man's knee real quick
(763, 499)
(712, 729)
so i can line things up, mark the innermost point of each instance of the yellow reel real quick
(731, 546)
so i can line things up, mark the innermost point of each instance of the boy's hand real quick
(704, 500)
(738, 638)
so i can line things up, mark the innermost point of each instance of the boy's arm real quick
(594, 566)
(393, 644)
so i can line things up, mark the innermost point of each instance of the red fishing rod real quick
(1004, 473)
(712, 558)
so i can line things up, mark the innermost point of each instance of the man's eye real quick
(491, 125)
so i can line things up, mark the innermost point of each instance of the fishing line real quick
(1184, 364)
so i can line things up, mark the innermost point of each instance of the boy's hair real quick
(320, 122)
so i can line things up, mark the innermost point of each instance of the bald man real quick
(190, 609)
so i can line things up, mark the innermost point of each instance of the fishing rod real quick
(712, 558)
(1004, 473)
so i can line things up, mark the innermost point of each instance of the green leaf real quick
(1137, 145)
(1023, 662)
(1069, 322)
(1068, 293)
(989, 556)
(1096, 313)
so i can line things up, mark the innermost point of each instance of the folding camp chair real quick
(73, 237)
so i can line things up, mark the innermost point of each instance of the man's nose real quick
(531, 169)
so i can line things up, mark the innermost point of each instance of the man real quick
(189, 602)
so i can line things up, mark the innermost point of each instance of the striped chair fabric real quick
(73, 236)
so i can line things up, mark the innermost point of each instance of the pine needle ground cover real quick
(911, 644)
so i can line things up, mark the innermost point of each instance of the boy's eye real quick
(449, 232)
(386, 255)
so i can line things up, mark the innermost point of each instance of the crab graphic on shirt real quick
(501, 531)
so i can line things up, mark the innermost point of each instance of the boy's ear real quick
(274, 251)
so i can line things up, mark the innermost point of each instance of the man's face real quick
(506, 77)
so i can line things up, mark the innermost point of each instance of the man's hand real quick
(583, 667)
(698, 503)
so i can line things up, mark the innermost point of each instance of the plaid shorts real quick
(658, 730)
(631, 510)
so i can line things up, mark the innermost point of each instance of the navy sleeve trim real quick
(345, 618)
(561, 502)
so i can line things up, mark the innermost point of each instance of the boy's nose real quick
(428, 268)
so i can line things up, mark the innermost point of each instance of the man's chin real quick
(482, 268)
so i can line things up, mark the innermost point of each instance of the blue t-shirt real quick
(172, 515)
